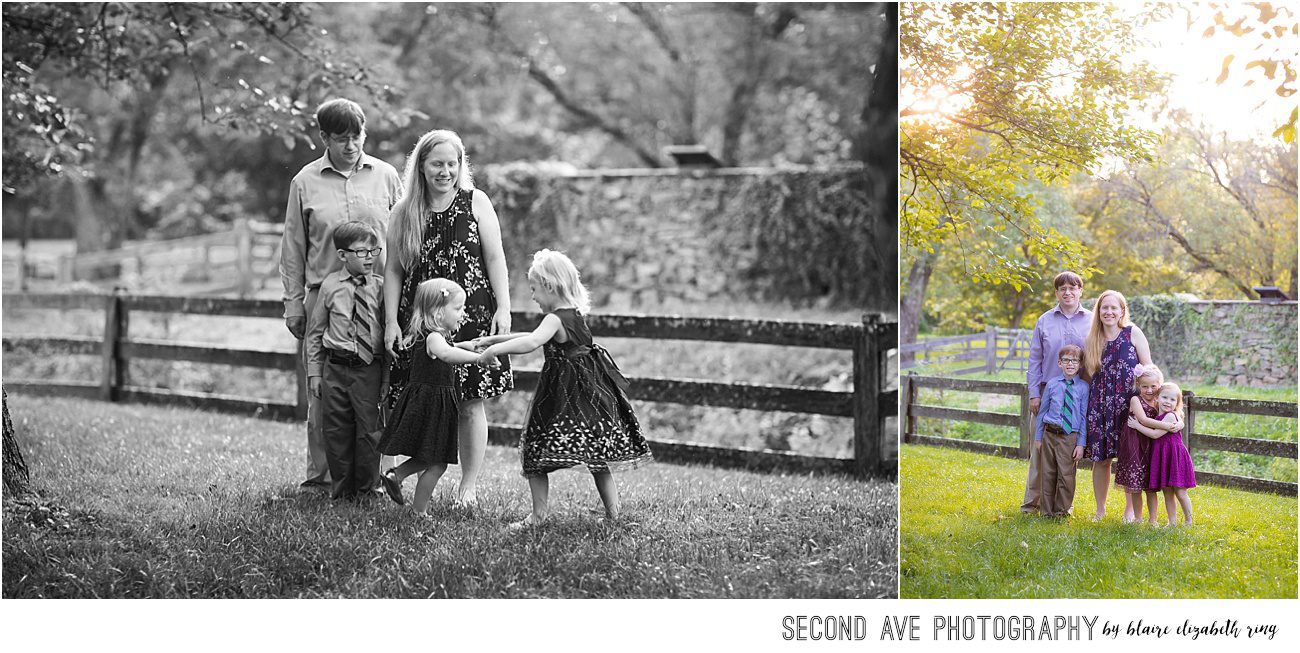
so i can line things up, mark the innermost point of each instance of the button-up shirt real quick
(1049, 411)
(1052, 331)
(320, 198)
(331, 326)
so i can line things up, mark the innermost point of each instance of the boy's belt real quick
(345, 358)
(1052, 428)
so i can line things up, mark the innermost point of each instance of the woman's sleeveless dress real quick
(425, 417)
(581, 414)
(1133, 462)
(1171, 462)
(1108, 394)
(452, 250)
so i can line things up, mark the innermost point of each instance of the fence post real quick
(1026, 424)
(1190, 421)
(907, 395)
(990, 349)
(868, 451)
(244, 256)
(116, 324)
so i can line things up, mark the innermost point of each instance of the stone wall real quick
(1228, 343)
(653, 238)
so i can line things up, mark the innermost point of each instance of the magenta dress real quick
(1133, 464)
(1108, 394)
(1171, 462)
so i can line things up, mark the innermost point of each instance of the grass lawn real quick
(962, 536)
(139, 501)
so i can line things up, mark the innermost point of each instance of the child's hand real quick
(313, 385)
(383, 392)
(1078, 452)
(488, 357)
(1133, 423)
(1038, 444)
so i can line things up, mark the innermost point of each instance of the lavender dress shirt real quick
(1052, 331)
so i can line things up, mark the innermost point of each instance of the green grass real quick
(1281, 429)
(962, 536)
(138, 501)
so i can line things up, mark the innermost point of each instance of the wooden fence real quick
(996, 349)
(235, 261)
(869, 404)
(1023, 421)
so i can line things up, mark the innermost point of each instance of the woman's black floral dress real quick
(452, 250)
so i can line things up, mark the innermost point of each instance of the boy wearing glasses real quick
(344, 184)
(346, 370)
(1060, 437)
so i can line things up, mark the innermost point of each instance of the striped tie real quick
(1068, 409)
(363, 316)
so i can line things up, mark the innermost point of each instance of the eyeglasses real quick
(363, 253)
(1069, 360)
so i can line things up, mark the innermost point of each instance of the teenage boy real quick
(1060, 437)
(346, 369)
(344, 184)
(1066, 324)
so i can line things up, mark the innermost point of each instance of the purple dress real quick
(1108, 394)
(1171, 462)
(1133, 464)
(425, 418)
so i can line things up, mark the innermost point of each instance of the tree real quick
(1268, 37)
(1225, 208)
(126, 66)
(994, 97)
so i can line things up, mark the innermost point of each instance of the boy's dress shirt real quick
(1049, 411)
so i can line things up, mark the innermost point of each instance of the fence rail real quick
(868, 403)
(996, 349)
(1023, 421)
(231, 261)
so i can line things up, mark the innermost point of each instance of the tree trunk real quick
(880, 155)
(15, 470)
(913, 301)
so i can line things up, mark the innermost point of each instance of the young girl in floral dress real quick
(580, 415)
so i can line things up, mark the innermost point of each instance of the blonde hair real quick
(1095, 343)
(426, 309)
(555, 271)
(1178, 392)
(409, 214)
(1149, 370)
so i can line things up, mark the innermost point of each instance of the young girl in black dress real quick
(581, 414)
(423, 422)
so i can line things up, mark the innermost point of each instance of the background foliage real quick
(132, 120)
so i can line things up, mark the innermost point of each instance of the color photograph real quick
(1097, 301)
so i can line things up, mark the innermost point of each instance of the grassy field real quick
(136, 501)
(962, 536)
(1281, 429)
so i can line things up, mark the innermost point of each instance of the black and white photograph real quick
(450, 300)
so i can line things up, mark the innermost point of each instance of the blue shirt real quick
(1049, 408)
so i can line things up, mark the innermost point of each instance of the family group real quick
(1097, 395)
(399, 291)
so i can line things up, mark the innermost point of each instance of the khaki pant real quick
(1056, 468)
(318, 471)
(1030, 504)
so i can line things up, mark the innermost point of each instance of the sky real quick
(1243, 111)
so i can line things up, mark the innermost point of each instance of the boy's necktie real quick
(1068, 409)
(363, 316)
